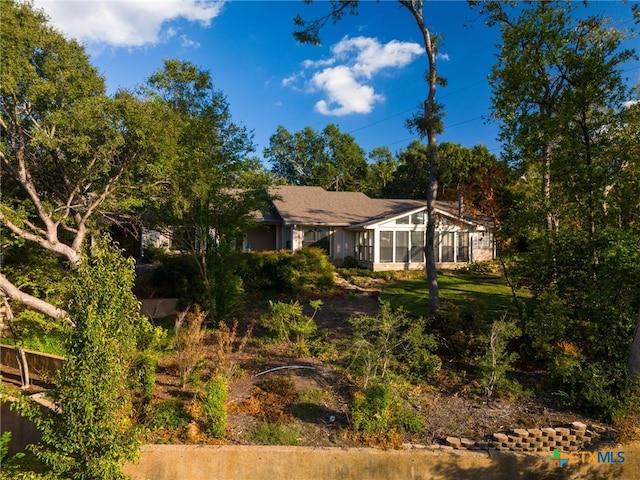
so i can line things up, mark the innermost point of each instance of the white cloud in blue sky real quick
(345, 78)
(127, 23)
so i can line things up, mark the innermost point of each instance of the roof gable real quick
(302, 205)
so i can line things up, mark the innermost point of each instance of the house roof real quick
(301, 205)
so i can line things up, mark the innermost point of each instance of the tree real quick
(382, 167)
(212, 185)
(329, 159)
(93, 430)
(559, 93)
(68, 152)
(428, 123)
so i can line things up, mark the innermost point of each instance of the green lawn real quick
(464, 290)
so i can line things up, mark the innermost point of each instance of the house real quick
(381, 234)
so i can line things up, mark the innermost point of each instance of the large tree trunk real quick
(634, 356)
(430, 126)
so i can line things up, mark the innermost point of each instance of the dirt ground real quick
(318, 392)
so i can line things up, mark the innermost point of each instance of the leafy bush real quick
(94, 433)
(304, 271)
(169, 414)
(374, 410)
(213, 406)
(496, 360)
(349, 262)
(390, 342)
(286, 322)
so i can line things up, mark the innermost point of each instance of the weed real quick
(275, 434)
(188, 341)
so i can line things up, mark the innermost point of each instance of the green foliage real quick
(374, 410)
(4, 446)
(329, 159)
(419, 359)
(213, 406)
(371, 409)
(286, 322)
(266, 433)
(168, 414)
(389, 343)
(225, 290)
(301, 272)
(39, 333)
(93, 433)
(496, 360)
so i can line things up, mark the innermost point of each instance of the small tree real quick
(93, 431)
(496, 360)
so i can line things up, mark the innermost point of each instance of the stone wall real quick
(573, 437)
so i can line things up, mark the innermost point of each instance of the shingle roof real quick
(316, 206)
(302, 205)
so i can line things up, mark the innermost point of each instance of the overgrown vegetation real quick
(93, 431)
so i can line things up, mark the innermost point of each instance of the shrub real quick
(94, 433)
(390, 342)
(371, 409)
(286, 322)
(496, 360)
(170, 414)
(304, 271)
(213, 406)
(189, 342)
(375, 410)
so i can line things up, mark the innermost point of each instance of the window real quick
(403, 221)
(447, 241)
(363, 246)
(402, 247)
(463, 247)
(419, 218)
(417, 247)
(482, 240)
(316, 237)
(386, 247)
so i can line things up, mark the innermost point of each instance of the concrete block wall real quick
(573, 437)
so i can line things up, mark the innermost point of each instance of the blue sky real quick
(367, 77)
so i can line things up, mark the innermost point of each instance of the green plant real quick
(170, 414)
(93, 432)
(390, 342)
(496, 360)
(370, 409)
(189, 342)
(286, 321)
(275, 434)
(213, 406)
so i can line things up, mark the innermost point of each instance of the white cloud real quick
(442, 56)
(630, 103)
(345, 78)
(345, 94)
(185, 41)
(125, 23)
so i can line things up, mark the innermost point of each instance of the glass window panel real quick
(386, 247)
(463, 247)
(418, 218)
(309, 235)
(402, 247)
(417, 247)
(403, 220)
(447, 246)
